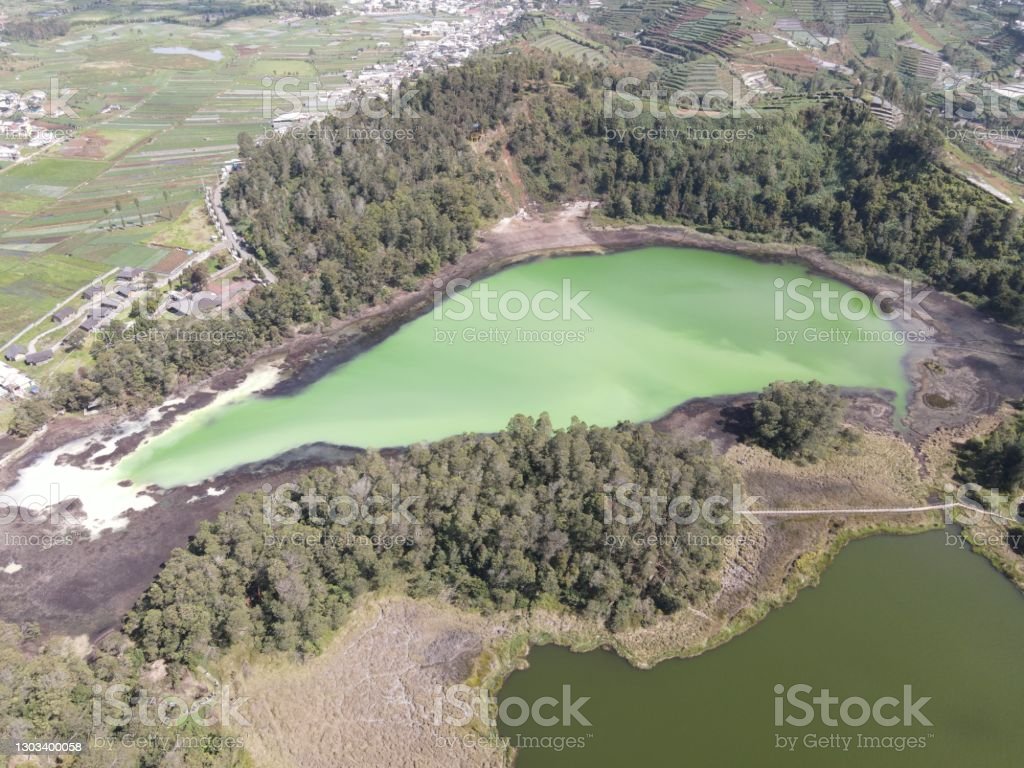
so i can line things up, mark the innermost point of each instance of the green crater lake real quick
(889, 612)
(657, 327)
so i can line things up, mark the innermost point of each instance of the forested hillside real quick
(366, 216)
(513, 520)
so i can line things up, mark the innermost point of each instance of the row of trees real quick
(36, 29)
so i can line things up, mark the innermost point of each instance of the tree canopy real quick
(797, 420)
(513, 520)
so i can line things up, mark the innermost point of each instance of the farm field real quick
(145, 132)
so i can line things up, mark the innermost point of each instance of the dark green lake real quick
(889, 612)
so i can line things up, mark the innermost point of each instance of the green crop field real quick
(148, 131)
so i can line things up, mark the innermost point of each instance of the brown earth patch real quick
(87, 145)
(787, 61)
(369, 700)
(171, 261)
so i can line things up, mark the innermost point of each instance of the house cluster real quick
(14, 383)
(32, 103)
(188, 303)
(100, 305)
(16, 113)
(437, 43)
(449, 42)
(103, 302)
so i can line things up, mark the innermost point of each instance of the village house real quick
(14, 351)
(128, 274)
(38, 358)
(108, 306)
(62, 314)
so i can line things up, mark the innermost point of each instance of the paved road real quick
(46, 317)
(232, 236)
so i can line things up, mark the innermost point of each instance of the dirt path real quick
(876, 511)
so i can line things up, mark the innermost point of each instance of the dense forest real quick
(528, 517)
(52, 694)
(799, 420)
(372, 215)
(367, 217)
(997, 459)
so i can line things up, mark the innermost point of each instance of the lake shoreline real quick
(308, 356)
(502, 642)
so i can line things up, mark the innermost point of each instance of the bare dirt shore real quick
(971, 364)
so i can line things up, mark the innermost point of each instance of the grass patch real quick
(191, 230)
(50, 176)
